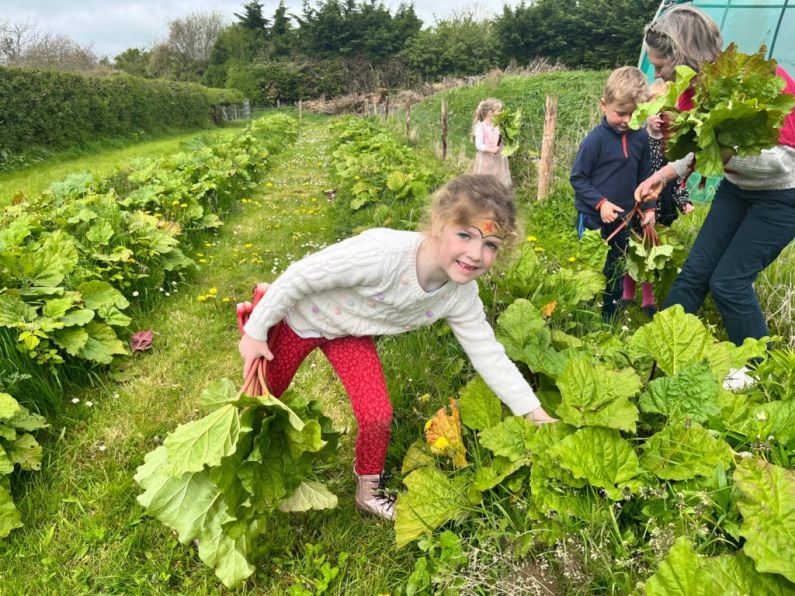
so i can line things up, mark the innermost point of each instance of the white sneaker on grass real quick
(738, 379)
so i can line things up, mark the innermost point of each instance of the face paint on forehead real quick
(488, 227)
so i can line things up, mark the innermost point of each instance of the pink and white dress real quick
(496, 164)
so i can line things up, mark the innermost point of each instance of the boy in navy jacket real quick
(611, 161)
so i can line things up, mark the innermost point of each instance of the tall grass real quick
(39, 390)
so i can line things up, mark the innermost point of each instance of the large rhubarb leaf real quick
(309, 495)
(675, 339)
(518, 326)
(102, 343)
(691, 393)
(678, 574)
(9, 515)
(9, 407)
(510, 438)
(683, 450)
(14, 311)
(602, 458)
(739, 106)
(736, 574)
(217, 478)
(100, 295)
(480, 407)
(433, 498)
(25, 452)
(225, 547)
(678, 340)
(6, 465)
(777, 420)
(594, 395)
(768, 508)
(203, 442)
(184, 503)
(218, 393)
(556, 492)
(523, 331)
(17, 449)
(487, 477)
(684, 573)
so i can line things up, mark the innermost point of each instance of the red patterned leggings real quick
(358, 366)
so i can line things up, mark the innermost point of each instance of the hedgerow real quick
(57, 110)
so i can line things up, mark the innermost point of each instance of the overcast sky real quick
(112, 26)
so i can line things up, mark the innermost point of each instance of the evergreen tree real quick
(253, 19)
(578, 33)
(281, 38)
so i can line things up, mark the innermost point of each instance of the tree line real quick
(340, 46)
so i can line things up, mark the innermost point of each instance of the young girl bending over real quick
(385, 282)
(487, 141)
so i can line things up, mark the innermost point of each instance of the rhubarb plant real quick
(216, 480)
(655, 442)
(18, 450)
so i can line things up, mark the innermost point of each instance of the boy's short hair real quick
(626, 85)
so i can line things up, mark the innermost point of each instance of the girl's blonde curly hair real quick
(469, 198)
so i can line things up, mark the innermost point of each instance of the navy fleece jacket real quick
(610, 165)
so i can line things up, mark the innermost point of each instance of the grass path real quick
(84, 531)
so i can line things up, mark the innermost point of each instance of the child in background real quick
(488, 143)
(610, 163)
(673, 198)
(385, 282)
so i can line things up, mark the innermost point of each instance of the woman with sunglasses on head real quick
(752, 216)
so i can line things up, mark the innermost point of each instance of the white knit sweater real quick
(367, 285)
(772, 169)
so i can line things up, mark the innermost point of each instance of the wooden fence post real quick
(444, 129)
(408, 118)
(547, 146)
(300, 111)
(386, 108)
